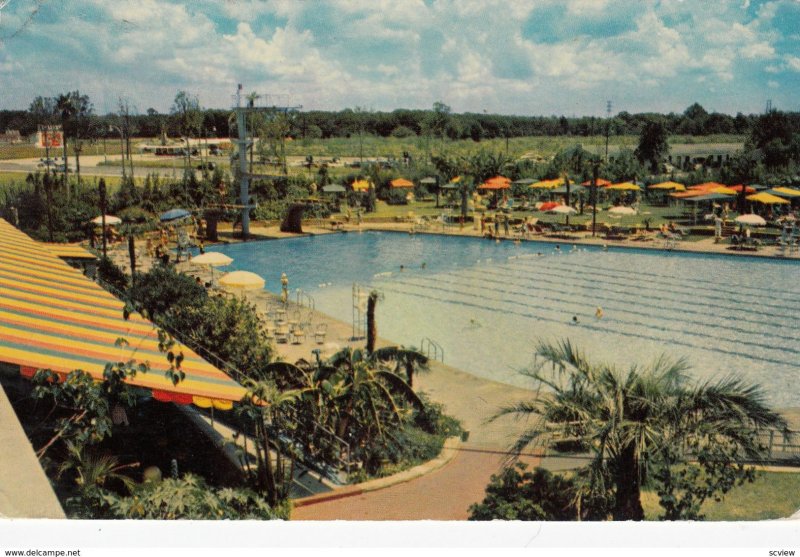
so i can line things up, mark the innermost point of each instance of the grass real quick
(392, 147)
(773, 495)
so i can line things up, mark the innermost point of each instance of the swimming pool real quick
(486, 303)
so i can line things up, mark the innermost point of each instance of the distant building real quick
(11, 136)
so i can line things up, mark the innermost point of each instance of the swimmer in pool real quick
(599, 312)
(575, 320)
(423, 265)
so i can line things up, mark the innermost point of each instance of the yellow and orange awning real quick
(53, 317)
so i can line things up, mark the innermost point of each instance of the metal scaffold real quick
(244, 142)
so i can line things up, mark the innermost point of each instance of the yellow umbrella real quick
(361, 185)
(787, 191)
(548, 184)
(242, 280)
(723, 190)
(624, 186)
(668, 186)
(766, 198)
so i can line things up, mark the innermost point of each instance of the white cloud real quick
(471, 54)
(792, 62)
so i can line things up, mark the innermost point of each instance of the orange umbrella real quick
(601, 182)
(494, 185)
(401, 183)
(738, 188)
(499, 179)
(707, 186)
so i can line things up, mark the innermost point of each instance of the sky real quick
(523, 57)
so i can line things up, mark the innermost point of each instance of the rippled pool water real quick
(487, 303)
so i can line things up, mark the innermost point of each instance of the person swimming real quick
(599, 312)
(605, 247)
(423, 265)
(402, 268)
(575, 320)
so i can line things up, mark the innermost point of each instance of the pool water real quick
(487, 303)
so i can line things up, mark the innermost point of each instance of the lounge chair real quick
(320, 332)
(282, 333)
(298, 335)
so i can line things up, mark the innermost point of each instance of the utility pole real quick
(608, 125)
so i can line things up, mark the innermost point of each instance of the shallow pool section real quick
(486, 303)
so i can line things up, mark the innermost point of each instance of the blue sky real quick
(525, 57)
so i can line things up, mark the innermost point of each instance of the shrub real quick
(516, 494)
(111, 273)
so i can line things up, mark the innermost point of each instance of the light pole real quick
(121, 146)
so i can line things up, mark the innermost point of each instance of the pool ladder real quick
(431, 349)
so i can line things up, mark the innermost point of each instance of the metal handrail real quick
(428, 345)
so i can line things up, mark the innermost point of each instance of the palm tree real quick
(635, 419)
(264, 407)
(366, 394)
(407, 360)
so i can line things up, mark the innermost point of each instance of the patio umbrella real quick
(429, 181)
(548, 184)
(174, 214)
(546, 206)
(766, 198)
(601, 183)
(401, 183)
(110, 220)
(707, 186)
(494, 185)
(561, 210)
(624, 186)
(674, 186)
(524, 181)
(212, 259)
(242, 280)
(619, 210)
(750, 220)
(361, 185)
(333, 188)
(787, 193)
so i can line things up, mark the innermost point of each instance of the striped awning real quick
(53, 317)
(69, 251)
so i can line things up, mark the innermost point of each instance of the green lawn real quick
(773, 495)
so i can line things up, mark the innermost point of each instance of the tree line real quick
(439, 121)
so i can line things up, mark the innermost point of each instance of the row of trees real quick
(186, 115)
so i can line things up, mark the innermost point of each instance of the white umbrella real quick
(212, 259)
(563, 210)
(110, 220)
(751, 219)
(242, 280)
(622, 210)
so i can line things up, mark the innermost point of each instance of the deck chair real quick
(297, 335)
(320, 332)
(282, 333)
